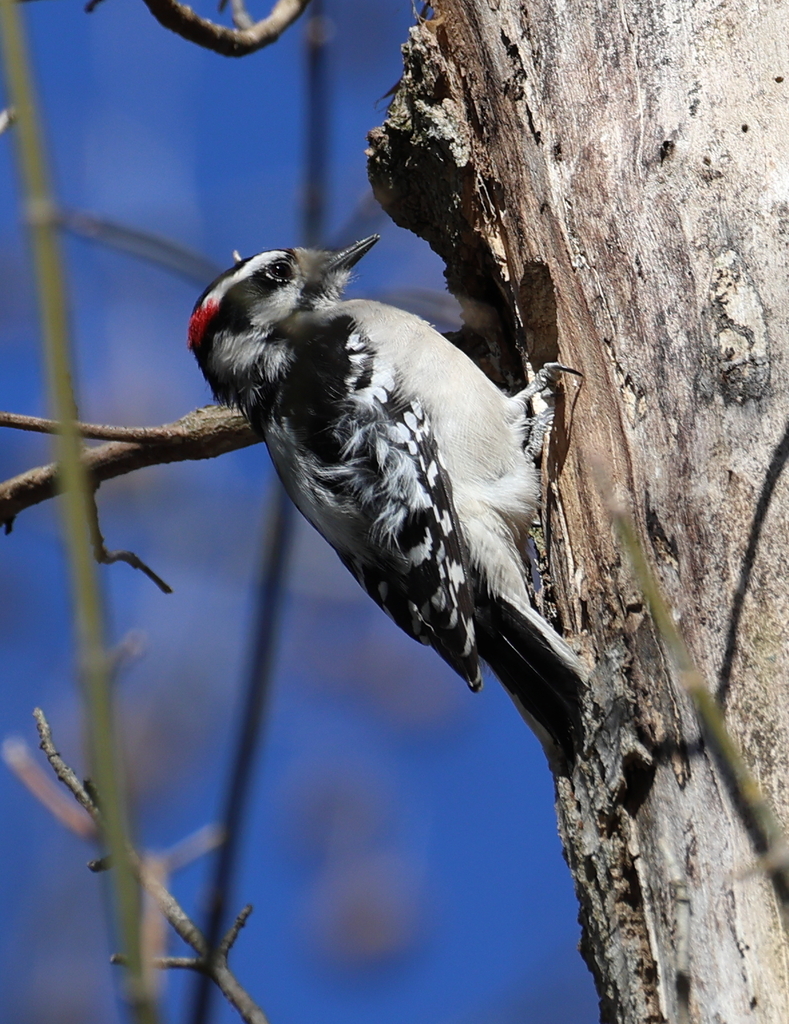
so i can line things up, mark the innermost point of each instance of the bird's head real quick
(243, 325)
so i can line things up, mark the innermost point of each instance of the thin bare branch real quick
(59, 766)
(186, 928)
(164, 963)
(150, 878)
(202, 434)
(230, 988)
(105, 557)
(144, 245)
(230, 42)
(91, 431)
(229, 940)
(169, 906)
(215, 966)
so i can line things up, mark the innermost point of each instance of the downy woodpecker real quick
(403, 455)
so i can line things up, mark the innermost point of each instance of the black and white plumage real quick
(403, 455)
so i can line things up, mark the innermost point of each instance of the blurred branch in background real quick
(230, 42)
(756, 810)
(144, 245)
(265, 628)
(241, 16)
(21, 762)
(152, 870)
(366, 219)
(273, 570)
(317, 33)
(94, 665)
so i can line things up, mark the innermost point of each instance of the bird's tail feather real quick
(541, 673)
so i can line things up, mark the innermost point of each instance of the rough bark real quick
(608, 185)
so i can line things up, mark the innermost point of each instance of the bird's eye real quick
(280, 271)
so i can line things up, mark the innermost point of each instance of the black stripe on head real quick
(218, 281)
(279, 271)
(227, 308)
(254, 287)
(203, 322)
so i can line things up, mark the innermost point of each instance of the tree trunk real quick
(609, 186)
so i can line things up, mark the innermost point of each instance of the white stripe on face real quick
(247, 269)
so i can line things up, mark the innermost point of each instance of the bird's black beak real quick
(347, 258)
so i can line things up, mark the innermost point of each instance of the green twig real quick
(93, 661)
(776, 857)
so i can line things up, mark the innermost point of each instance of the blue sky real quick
(401, 849)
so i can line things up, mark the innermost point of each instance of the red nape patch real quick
(201, 318)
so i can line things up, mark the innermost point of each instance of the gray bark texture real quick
(608, 184)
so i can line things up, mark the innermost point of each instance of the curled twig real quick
(105, 557)
(230, 42)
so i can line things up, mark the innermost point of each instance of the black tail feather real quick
(542, 675)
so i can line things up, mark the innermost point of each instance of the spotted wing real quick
(361, 463)
(424, 584)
